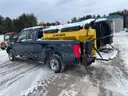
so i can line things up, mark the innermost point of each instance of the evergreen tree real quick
(74, 19)
(8, 24)
(88, 16)
(98, 16)
(2, 28)
(24, 21)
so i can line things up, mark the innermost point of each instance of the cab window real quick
(30, 35)
(22, 36)
(40, 34)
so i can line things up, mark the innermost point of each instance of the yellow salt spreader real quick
(82, 32)
(73, 31)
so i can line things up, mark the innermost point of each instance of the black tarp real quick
(51, 31)
(73, 28)
(104, 33)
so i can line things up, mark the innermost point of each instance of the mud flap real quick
(84, 61)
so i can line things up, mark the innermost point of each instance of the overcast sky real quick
(60, 10)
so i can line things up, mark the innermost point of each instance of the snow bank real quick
(121, 41)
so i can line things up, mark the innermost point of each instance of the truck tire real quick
(2, 47)
(55, 63)
(11, 55)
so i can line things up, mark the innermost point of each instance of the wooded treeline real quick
(16, 25)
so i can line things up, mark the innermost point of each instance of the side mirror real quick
(14, 39)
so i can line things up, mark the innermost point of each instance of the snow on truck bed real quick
(82, 23)
(69, 25)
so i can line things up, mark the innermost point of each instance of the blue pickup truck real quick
(30, 44)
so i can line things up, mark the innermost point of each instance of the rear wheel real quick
(56, 64)
(11, 55)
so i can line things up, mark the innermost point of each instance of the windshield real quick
(6, 37)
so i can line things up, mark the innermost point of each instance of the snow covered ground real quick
(105, 78)
(20, 77)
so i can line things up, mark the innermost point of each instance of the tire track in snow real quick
(28, 81)
(13, 67)
(4, 71)
(20, 76)
(11, 77)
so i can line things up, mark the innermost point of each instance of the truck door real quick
(39, 45)
(19, 44)
(25, 45)
(30, 44)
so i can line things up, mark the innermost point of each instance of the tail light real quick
(76, 49)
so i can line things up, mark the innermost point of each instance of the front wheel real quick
(2, 47)
(11, 55)
(55, 63)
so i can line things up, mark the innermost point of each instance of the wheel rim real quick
(54, 64)
(10, 56)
